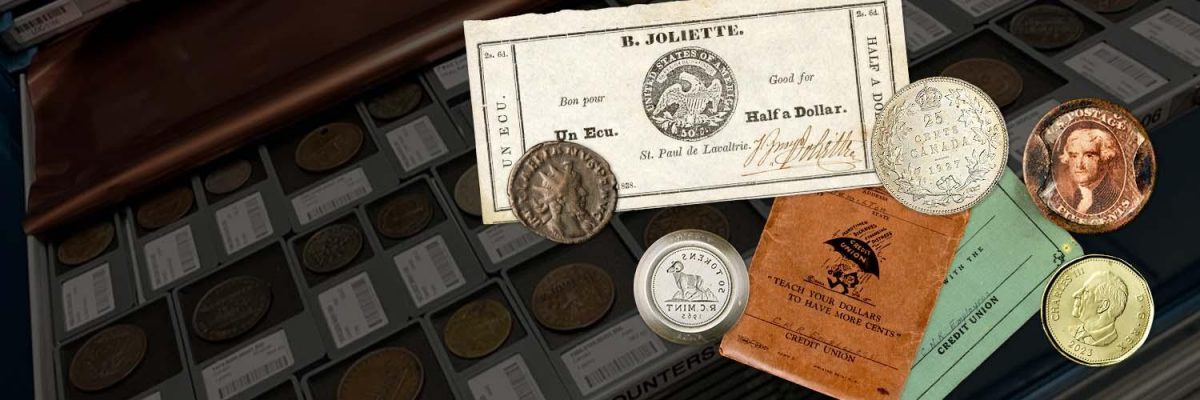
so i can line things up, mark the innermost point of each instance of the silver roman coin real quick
(691, 286)
(562, 191)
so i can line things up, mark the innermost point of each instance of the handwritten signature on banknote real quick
(833, 151)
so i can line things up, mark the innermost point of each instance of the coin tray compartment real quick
(427, 99)
(443, 128)
(258, 172)
(131, 209)
(118, 242)
(944, 13)
(289, 390)
(605, 251)
(205, 238)
(276, 210)
(745, 225)
(1122, 15)
(322, 383)
(447, 177)
(161, 369)
(954, 12)
(1090, 27)
(121, 286)
(313, 279)
(459, 250)
(420, 186)
(287, 313)
(281, 149)
(446, 93)
(459, 109)
(493, 291)
(269, 264)
(518, 343)
(386, 282)
(1038, 80)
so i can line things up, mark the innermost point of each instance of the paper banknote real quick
(689, 102)
(993, 286)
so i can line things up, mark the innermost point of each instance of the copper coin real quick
(404, 215)
(85, 245)
(329, 146)
(1047, 26)
(228, 177)
(1089, 166)
(572, 296)
(107, 358)
(999, 80)
(466, 192)
(1109, 6)
(164, 208)
(702, 217)
(397, 102)
(562, 191)
(332, 248)
(477, 328)
(231, 308)
(390, 373)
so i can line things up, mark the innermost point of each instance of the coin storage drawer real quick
(180, 247)
(417, 133)
(247, 326)
(137, 355)
(340, 163)
(434, 261)
(255, 212)
(469, 335)
(96, 280)
(386, 365)
(497, 246)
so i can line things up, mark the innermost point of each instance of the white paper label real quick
(1020, 127)
(331, 195)
(248, 366)
(623, 348)
(429, 271)
(171, 257)
(1174, 32)
(153, 396)
(504, 240)
(452, 73)
(416, 143)
(510, 379)
(244, 222)
(29, 26)
(87, 297)
(978, 8)
(352, 310)
(920, 28)
(1114, 71)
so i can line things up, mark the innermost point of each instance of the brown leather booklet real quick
(841, 287)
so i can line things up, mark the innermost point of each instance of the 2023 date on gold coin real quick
(1097, 310)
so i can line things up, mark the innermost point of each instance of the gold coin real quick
(1097, 310)
(328, 147)
(165, 208)
(477, 328)
(228, 177)
(85, 245)
(390, 373)
(466, 192)
(572, 296)
(999, 80)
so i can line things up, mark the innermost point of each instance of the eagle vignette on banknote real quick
(689, 102)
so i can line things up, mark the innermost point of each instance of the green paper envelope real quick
(993, 286)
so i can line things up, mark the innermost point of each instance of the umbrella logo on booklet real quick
(691, 287)
(852, 263)
(689, 94)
